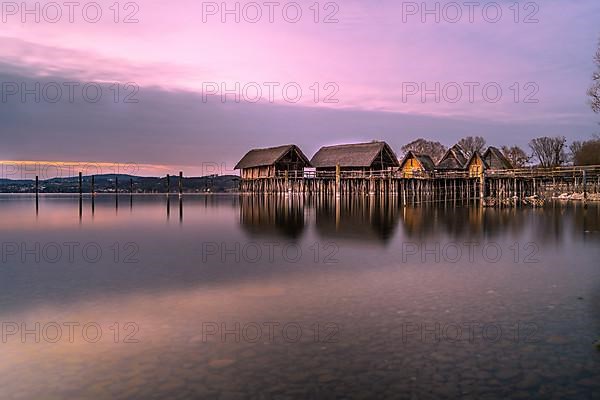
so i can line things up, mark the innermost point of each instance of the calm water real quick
(276, 298)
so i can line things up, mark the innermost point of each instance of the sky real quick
(160, 86)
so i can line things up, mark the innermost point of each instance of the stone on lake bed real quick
(597, 345)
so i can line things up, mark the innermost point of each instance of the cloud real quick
(178, 129)
(369, 54)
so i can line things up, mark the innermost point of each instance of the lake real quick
(281, 297)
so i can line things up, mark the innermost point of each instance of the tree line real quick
(544, 151)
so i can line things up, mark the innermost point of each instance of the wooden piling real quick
(37, 195)
(180, 183)
(584, 183)
(337, 180)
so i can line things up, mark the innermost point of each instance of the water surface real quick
(232, 297)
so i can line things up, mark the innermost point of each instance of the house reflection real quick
(548, 224)
(376, 219)
(272, 216)
(360, 218)
(428, 221)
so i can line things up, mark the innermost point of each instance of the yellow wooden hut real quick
(416, 165)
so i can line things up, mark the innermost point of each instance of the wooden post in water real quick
(337, 180)
(80, 196)
(287, 187)
(180, 183)
(130, 193)
(481, 187)
(584, 183)
(37, 194)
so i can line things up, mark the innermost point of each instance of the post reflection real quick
(377, 218)
(361, 218)
(272, 215)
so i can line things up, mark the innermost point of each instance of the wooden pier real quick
(372, 168)
(495, 187)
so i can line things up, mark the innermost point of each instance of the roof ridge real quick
(379, 142)
(272, 147)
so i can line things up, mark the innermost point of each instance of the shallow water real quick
(277, 297)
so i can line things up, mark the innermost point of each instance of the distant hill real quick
(126, 183)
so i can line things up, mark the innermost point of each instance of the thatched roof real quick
(352, 155)
(495, 159)
(424, 160)
(268, 156)
(455, 158)
(477, 154)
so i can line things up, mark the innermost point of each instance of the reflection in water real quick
(180, 208)
(168, 207)
(371, 294)
(374, 218)
(366, 218)
(273, 215)
(361, 218)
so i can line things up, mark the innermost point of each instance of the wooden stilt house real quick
(455, 159)
(494, 158)
(358, 157)
(272, 162)
(415, 165)
(476, 165)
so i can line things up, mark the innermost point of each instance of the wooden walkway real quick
(495, 187)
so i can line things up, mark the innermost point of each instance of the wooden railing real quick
(592, 171)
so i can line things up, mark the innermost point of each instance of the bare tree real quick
(550, 152)
(587, 152)
(472, 144)
(594, 90)
(435, 150)
(574, 149)
(516, 155)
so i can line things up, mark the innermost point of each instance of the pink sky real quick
(370, 55)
